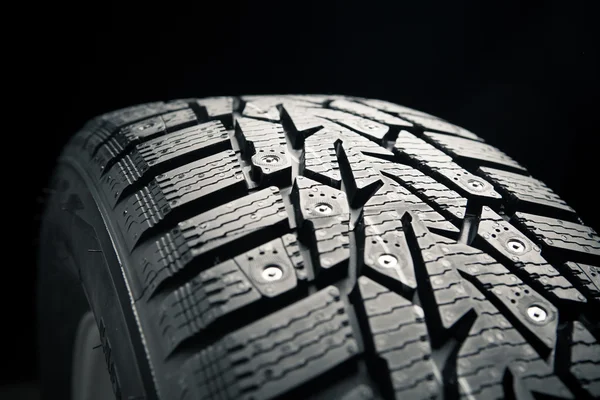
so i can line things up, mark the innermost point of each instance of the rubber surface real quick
(334, 247)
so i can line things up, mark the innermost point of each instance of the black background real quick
(520, 74)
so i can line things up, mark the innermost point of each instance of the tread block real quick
(146, 129)
(447, 201)
(386, 255)
(528, 194)
(218, 108)
(319, 99)
(306, 124)
(451, 303)
(509, 293)
(272, 166)
(372, 130)
(360, 180)
(465, 183)
(232, 227)
(218, 292)
(497, 282)
(123, 177)
(141, 212)
(442, 167)
(269, 267)
(198, 183)
(484, 355)
(398, 342)
(263, 144)
(395, 198)
(440, 286)
(580, 242)
(137, 113)
(293, 251)
(111, 122)
(470, 151)
(391, 108)
(585, 360)
(524, 257)
(299, 124)
(361, 144)
(199, 304)
(129, 136)
(266, 107)
(389, 196)
(161, 154)
(320, 156)
(323, 217)
(178, 120)
(126, 138)
(197, 140)
(252, 134)
(434, 124)
(494, 348)
(419, 150)
(273, 355)
(263, 108)
(368, 112)
(585, 277)
(320, 159)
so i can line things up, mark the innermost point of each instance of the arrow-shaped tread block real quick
(323, 217)
(392, 200)
(512, 247)
(452, 304)
(217, 108)
(398, 351)
(441, 166)
(451, 204)
(264, 146)
(493, 350)
(361, 181)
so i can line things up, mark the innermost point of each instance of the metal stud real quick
(537, 313)
(272, 273)
(387, 260)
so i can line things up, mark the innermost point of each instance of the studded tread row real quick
(334, 247)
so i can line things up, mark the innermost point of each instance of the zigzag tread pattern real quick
(280, 245)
